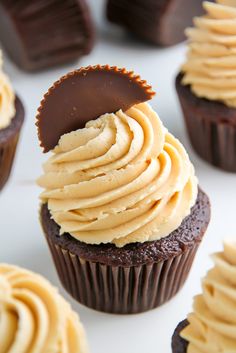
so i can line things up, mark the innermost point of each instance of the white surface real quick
(22, 241)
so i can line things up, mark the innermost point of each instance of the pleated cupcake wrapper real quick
(121, 290)
(7, 154)
(214, 141)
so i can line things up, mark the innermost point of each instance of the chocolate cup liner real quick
(178, 344)
(7, 154)
(121, 290)
(214, 140)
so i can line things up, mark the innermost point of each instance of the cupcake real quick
(160, 22)
(11, 120)
(206, 85)
(41, 34)
(34, 317)
(212, 325)
(122, 212)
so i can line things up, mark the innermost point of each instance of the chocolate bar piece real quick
(43, 33)
(161, 22)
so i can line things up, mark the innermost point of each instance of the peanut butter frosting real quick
(122, 179)
(210, 67)
(212, 327)
(7, 99)
(34, 318)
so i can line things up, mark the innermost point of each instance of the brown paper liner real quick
(7, 154)
(8, 142)
(211, 127)
(178, 344)
(121, 290)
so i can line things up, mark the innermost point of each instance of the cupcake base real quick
(8, 143)
(179, 345)
(211, 126)
(132, 279)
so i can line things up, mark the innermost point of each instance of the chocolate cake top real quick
(85, 94)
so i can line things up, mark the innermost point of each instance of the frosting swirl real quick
(212, 325)
(34, 318)
(121, 179)
(7, 99)
(210, 68)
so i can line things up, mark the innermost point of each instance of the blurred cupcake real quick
(212, 325)
(34, 317)
(161, 22)
(11, 120)
(207, 84)
(41, 34)
(122, 212)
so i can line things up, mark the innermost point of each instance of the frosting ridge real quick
(210, 68)
(212, 325)
(34, 318)
(123, 178)
(7, 99)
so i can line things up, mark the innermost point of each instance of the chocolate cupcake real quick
(206, 85)
(122, 212)
(34, 317)
(11, 120)
(160, 22)
(41, 34)
(212, 325)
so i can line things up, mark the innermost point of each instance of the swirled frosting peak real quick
(121, 179)
(34, 318)
(212, 327)
(7, 99)
(210, 68)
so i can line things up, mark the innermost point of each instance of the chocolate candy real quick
(85, 94)
(160, 22)
(39, 34)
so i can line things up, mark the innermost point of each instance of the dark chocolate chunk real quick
(85, 94)
(189, 233)
(8, 142)
(211, 126)
(160, 22)
(179, 345)
(40, 34)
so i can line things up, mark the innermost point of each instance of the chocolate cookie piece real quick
(132, 279)
(40, 34)
(8, 143)
(159, 22)
(211, 126)
(179, 345)
(85, 94)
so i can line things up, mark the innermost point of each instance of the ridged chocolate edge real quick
(213, 139)
(178, 344)
(25, 28)
(121, 290)
(8, 142)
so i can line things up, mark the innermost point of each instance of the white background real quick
(21, 238)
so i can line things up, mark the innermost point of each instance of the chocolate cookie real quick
(211, 126)
(40, 34)
(179, 345)
(107, 278)
(8, 143)
(159, 22)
